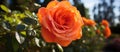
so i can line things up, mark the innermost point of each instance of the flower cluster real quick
(62, 23)
(58, 27)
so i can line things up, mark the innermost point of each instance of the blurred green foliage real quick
(90, 41)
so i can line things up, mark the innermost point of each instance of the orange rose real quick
(88, 22)
(105, 23)
(61, 22)
(107, 32)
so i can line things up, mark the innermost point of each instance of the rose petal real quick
(64, 3)
(107, 32)
(45, 18)
(48, 36)
(52, 4)
(63, 42)
(77, 35)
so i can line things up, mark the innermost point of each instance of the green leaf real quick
(60, 48)
(31, 33)
(3, 7)
(15, 44)
(23, 33)
(19, 38)
(9, 19)
(29, 14)
(29, 21)
(37, 5)
(20, 27)
(37, 42)
(7, 26)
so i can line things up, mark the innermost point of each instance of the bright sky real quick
(91, 3)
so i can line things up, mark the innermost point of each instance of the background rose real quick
(105, 23)
(61, 22)
(88, 22)
(107, 31)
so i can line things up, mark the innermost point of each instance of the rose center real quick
(64, 18)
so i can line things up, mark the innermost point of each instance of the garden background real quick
(20, 29)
